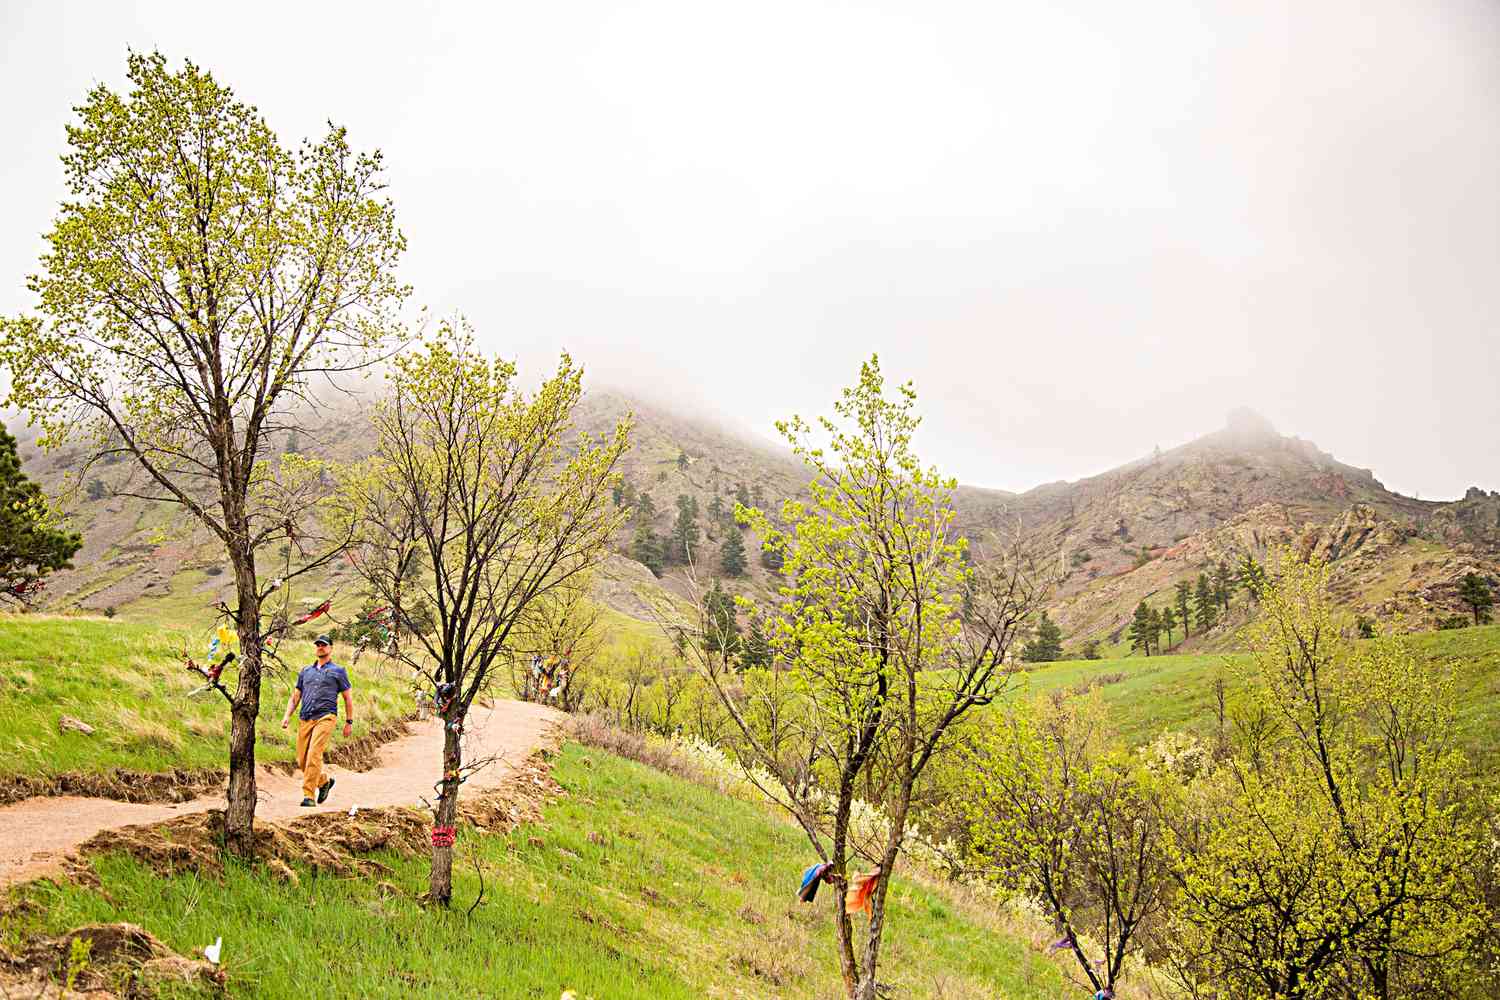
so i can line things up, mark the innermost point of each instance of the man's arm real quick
(291, 706)
(348, 707)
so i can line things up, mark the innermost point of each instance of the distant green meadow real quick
(1147, 695)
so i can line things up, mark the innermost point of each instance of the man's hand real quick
(284, 719)
(348, 727)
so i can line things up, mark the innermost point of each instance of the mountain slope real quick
(1120, 537)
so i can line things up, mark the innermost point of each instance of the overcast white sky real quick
(1083, 228)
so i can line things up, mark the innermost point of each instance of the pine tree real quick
(1252, 576)
(1046, 646)
(755, 651)
(741, 495)
(771, 559)
(732, 554)
(1206, 604)
(29, 547)
(1184, 598)
(1142, 629)
(1223, 584)
(685, 533)
(645, 549)
(1160, 627)
(1474, 591)
(1168, 622)
(716, 509)
(645, 509)
(723, 628)
(758, 497)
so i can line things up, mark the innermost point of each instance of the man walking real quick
(318, 688)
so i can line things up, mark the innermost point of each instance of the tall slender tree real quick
(723, 632)
(732, 554)
(645, 509)
(201, 287)
(470, 473)
(1224, 584)
(755, 651)
(1205, 604)
(1184, 597)
(1252, 576)
(683, 544)
(1143, 629)
(875, 664)
(645, 548)
(1168, 622)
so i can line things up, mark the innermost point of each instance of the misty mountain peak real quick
(1248, 425)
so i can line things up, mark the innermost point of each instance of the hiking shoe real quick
(308, 802)
(324, 789)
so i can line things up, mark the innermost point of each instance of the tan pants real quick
(312, 739)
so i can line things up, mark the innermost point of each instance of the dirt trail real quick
(35, 835)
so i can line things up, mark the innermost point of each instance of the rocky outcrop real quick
(1350, 533)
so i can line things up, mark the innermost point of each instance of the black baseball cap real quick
(322, 640)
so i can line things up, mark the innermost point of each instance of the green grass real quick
(1177, 692)
(127, 680)
(643, 885)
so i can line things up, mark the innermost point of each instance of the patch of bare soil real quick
(37, 835)
(331, 842)
(184, 785)
(121, 785)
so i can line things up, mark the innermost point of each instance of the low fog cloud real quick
(1083, 229)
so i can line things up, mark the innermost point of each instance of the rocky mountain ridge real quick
(1122, 536)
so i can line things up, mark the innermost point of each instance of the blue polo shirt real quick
(321, 687)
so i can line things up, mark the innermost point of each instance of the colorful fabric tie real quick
(862, 889)
(811, 879)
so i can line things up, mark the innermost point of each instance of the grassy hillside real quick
(1149, 694)
(636, 884)
(127, 680)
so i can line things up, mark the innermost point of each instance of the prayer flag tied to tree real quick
(487, 485)
(202, 284)
(884, 638)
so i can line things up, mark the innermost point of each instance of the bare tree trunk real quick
(844, 932)
(893, 843)
(239, 814)
(440, 883)
(843, 926)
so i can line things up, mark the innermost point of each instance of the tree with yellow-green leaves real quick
(1058, 810)
(876, 655)
(1335, 852)
(201, 287)
(488, 484)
